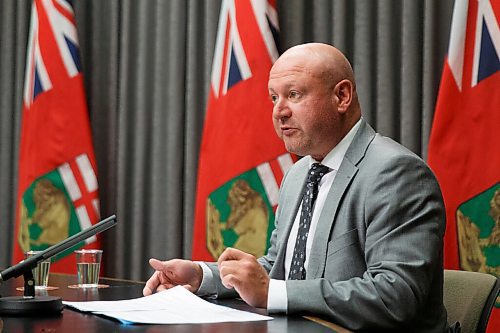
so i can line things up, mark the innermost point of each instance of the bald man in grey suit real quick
(373, 253)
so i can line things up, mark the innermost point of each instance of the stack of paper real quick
(172, 306)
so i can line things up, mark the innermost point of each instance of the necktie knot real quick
(316, 172)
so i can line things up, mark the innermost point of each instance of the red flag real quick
(242, 160)
(463, 148)
(57, 187)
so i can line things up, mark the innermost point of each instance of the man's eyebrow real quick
(286, 86)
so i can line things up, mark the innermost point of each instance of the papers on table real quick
(172, 306)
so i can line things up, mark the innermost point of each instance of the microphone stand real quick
(28, 304)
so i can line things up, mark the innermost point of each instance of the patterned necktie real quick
(297, 269)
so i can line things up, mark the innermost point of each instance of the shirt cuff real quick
(207, 286)
(277, 298)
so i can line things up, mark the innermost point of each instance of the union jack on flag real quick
(230, 64)
(486, 33)
(59, 29)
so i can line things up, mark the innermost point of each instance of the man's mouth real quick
(287, 130)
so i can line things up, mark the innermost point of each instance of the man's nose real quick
(281, 109)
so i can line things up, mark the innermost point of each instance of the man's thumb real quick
(157, 264)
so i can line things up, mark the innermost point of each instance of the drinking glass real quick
(41, 271)
(88, 264)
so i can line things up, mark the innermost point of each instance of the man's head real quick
(314, 95)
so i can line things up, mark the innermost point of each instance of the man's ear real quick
(343, 94)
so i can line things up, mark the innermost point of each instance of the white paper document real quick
(172, 306)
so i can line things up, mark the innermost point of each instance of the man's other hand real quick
(171, 273)
(242, 271)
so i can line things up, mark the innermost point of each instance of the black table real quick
(76, 322)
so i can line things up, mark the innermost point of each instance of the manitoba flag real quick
(464, 147)
(241, 161)
(57, 187)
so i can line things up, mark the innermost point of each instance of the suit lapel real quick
(343, 178)
(292, 196)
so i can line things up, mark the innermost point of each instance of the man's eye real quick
(294, 94)
(274, 98)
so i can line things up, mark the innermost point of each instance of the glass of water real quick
(40, 272)
(88, 264)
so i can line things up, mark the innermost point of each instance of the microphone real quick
(29, 304)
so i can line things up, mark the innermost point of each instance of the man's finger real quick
(151, 284)
(166, 267)
(230, 267)
(230, 281)
(147, 291)
(157, 264)
(232, 254)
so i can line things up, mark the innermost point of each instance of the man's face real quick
(304, 114)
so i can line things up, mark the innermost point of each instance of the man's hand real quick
(241, 271)
(176, 272)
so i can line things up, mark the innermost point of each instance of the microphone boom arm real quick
(30, 263)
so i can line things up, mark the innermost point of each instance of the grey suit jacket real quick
(376, 260)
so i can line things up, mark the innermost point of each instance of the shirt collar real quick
(334, 158)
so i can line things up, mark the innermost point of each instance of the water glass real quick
(88, 264)
(41, 271)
